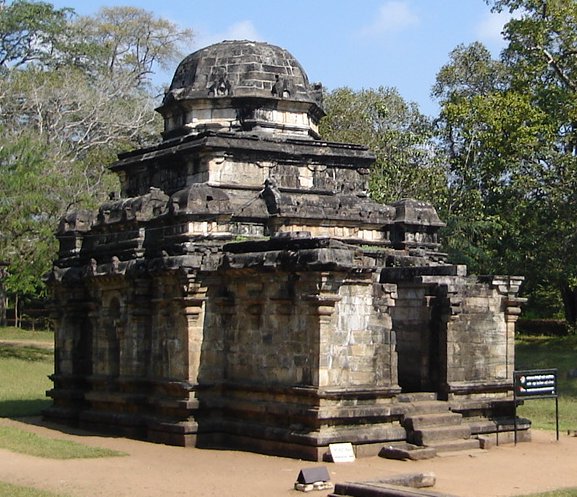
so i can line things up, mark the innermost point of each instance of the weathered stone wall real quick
(477, 338)
(337, 232)
(360, 348)
(124, 351)
(455, 334)
(260, 329)
(480, 337)
(297, 356)
(286, 174)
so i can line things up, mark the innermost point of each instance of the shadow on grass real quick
(68, 429)
(545, 353)
(25, 353)
(23, 407)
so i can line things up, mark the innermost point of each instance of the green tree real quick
(541, 57)
(472, 71)
(74, 92)
(29, 208)
(400, 136)
(509, 130)
(31, 32)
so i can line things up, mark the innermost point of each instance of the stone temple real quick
(244, 291)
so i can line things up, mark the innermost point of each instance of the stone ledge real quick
(378, 489)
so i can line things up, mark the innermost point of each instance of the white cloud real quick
(393, 16)
(242, 30)
(489, 29)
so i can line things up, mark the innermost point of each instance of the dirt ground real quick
(152, 470)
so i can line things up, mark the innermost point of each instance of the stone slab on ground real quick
(413, 480)
(376, 489)
(403, 451)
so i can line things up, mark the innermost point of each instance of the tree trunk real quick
(3, 305)
(3, 297)
(569, 296)
(16, 315)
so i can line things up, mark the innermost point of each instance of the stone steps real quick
(427, 407)
(430, 423)
(416, 397)
(417, 421)
(435, 434)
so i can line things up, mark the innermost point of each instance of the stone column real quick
(194, 308)
(322, 305)
(136, 350)
(381, 325)
(508, 287)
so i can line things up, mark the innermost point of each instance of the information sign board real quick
(342, 452)
(536, 383)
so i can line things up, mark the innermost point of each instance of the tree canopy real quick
(407, 164)
(508, 128)
(74, 91)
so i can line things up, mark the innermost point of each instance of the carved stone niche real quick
(415, 225)
(200, 199)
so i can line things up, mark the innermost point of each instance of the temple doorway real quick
(417, 328)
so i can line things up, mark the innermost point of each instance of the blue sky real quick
(360, 44)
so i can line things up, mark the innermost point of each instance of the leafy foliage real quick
(509, 130)
(29, 208)
(400, 136)
(131, 42)
(30, 32)
(74, 92)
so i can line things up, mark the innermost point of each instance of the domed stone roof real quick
(242, 86)
(241, 68)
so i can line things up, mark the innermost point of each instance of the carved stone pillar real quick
(322, 308)
(194, 309)
(508, 287)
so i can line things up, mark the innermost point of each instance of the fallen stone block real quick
(406, 451)
(413, 480)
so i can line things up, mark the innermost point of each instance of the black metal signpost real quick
(536, 384)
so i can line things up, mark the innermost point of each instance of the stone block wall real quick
(259, 329)
(454, 333)
(480, 336)
(359, 348)
(305, 328)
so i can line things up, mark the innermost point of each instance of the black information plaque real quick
(536, 384)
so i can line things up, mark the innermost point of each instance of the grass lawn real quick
(7, 490)
(545, 353)
(25, 442)
(24, 371)
(11, 333)
(567, 492)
